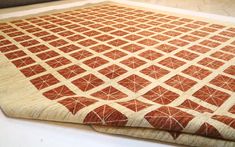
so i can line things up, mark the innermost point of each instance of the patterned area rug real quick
(123, 69)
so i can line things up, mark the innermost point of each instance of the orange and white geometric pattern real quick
(117, 65)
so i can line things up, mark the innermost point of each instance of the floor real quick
(39, 5)
(220, 7)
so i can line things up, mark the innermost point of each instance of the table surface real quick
(30, 133)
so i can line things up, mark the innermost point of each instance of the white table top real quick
(29, 133)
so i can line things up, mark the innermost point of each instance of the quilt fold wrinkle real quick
(124, 70)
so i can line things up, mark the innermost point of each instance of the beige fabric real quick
(163, 136)
(181, 81)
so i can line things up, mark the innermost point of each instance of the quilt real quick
(124, 70)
